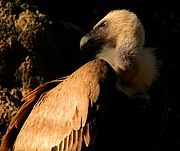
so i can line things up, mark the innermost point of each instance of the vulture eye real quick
(103, 25)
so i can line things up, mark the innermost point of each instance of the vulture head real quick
(121, 36)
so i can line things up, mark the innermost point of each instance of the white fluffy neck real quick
(139, 77)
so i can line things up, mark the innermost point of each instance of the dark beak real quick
(86, 42)
(91, 44)
(91, 41)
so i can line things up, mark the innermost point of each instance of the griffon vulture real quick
(138, 117)
(114, 101)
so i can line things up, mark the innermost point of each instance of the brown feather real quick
(61, 114)
(86, 135)
(18, 120)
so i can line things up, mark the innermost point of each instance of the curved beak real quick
(85, 41)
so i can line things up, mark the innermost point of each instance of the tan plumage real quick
(63, 117)
(122, 37)
(67, 116)
(119, 39)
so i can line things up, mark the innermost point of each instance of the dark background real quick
(161, 21)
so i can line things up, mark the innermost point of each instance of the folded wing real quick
(67, 116)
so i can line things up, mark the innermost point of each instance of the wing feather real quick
(62, 116)
(87, 135)
(29, 101)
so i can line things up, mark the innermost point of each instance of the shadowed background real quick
(39, 41)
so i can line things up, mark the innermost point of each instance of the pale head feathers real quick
(123, 28)
(135, 65)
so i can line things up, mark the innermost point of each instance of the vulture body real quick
(138, 110)
(117, 101)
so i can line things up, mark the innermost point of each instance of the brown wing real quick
(19, 119)
(67, 116)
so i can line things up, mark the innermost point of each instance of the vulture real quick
(116, 101)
